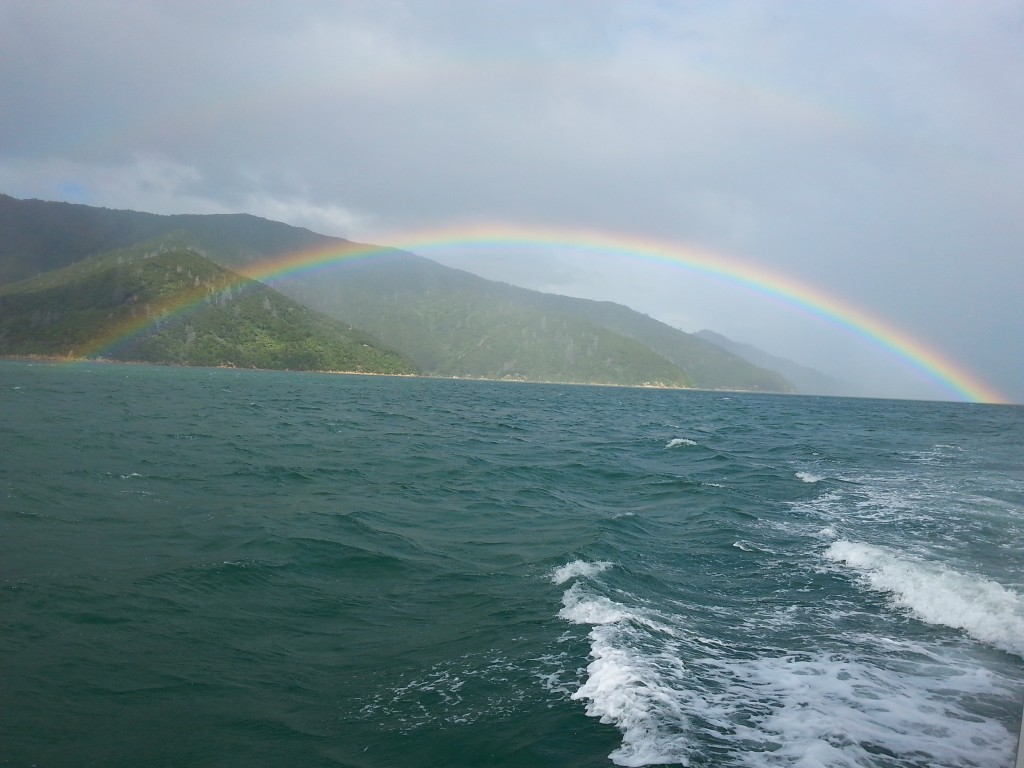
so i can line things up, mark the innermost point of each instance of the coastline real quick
(68, 359)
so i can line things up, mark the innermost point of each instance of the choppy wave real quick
(821, 709)
(627, 685)
(809, 477)
(937, 594)
(578, 569)
(678, 441)
(680, 699)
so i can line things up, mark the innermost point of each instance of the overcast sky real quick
(872, 150)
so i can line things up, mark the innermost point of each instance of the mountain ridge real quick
(805, 379)
(375, 293)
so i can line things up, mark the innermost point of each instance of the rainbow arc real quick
(952, 377)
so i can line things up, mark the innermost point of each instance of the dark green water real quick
(232, 568)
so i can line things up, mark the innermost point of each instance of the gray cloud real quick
(868, 149)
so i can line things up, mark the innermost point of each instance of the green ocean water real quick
(247, 568)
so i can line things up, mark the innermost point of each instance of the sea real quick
(217, 567)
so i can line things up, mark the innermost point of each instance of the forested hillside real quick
(171, 305)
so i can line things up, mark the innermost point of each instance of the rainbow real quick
(952, 377)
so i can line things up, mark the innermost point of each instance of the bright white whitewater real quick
(250, 568)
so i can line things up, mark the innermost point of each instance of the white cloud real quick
(333, 220)
(159, 185)
(145, 183)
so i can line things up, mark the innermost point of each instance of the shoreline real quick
(66, 359)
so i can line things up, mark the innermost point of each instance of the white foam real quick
(936, 594)
(578, 569)
(555, 676)
(635, 692)
(826, 710)
(677, 441)
(449, 693)
(635, 689)
(809, 477)
(812, 710)
(820, 710)
(581, 607)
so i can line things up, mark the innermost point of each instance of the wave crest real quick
(578, 569)
(677, 441)
(939, 595)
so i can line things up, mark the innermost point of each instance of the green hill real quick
(455, 323)
(166, 304)
(708, 366)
